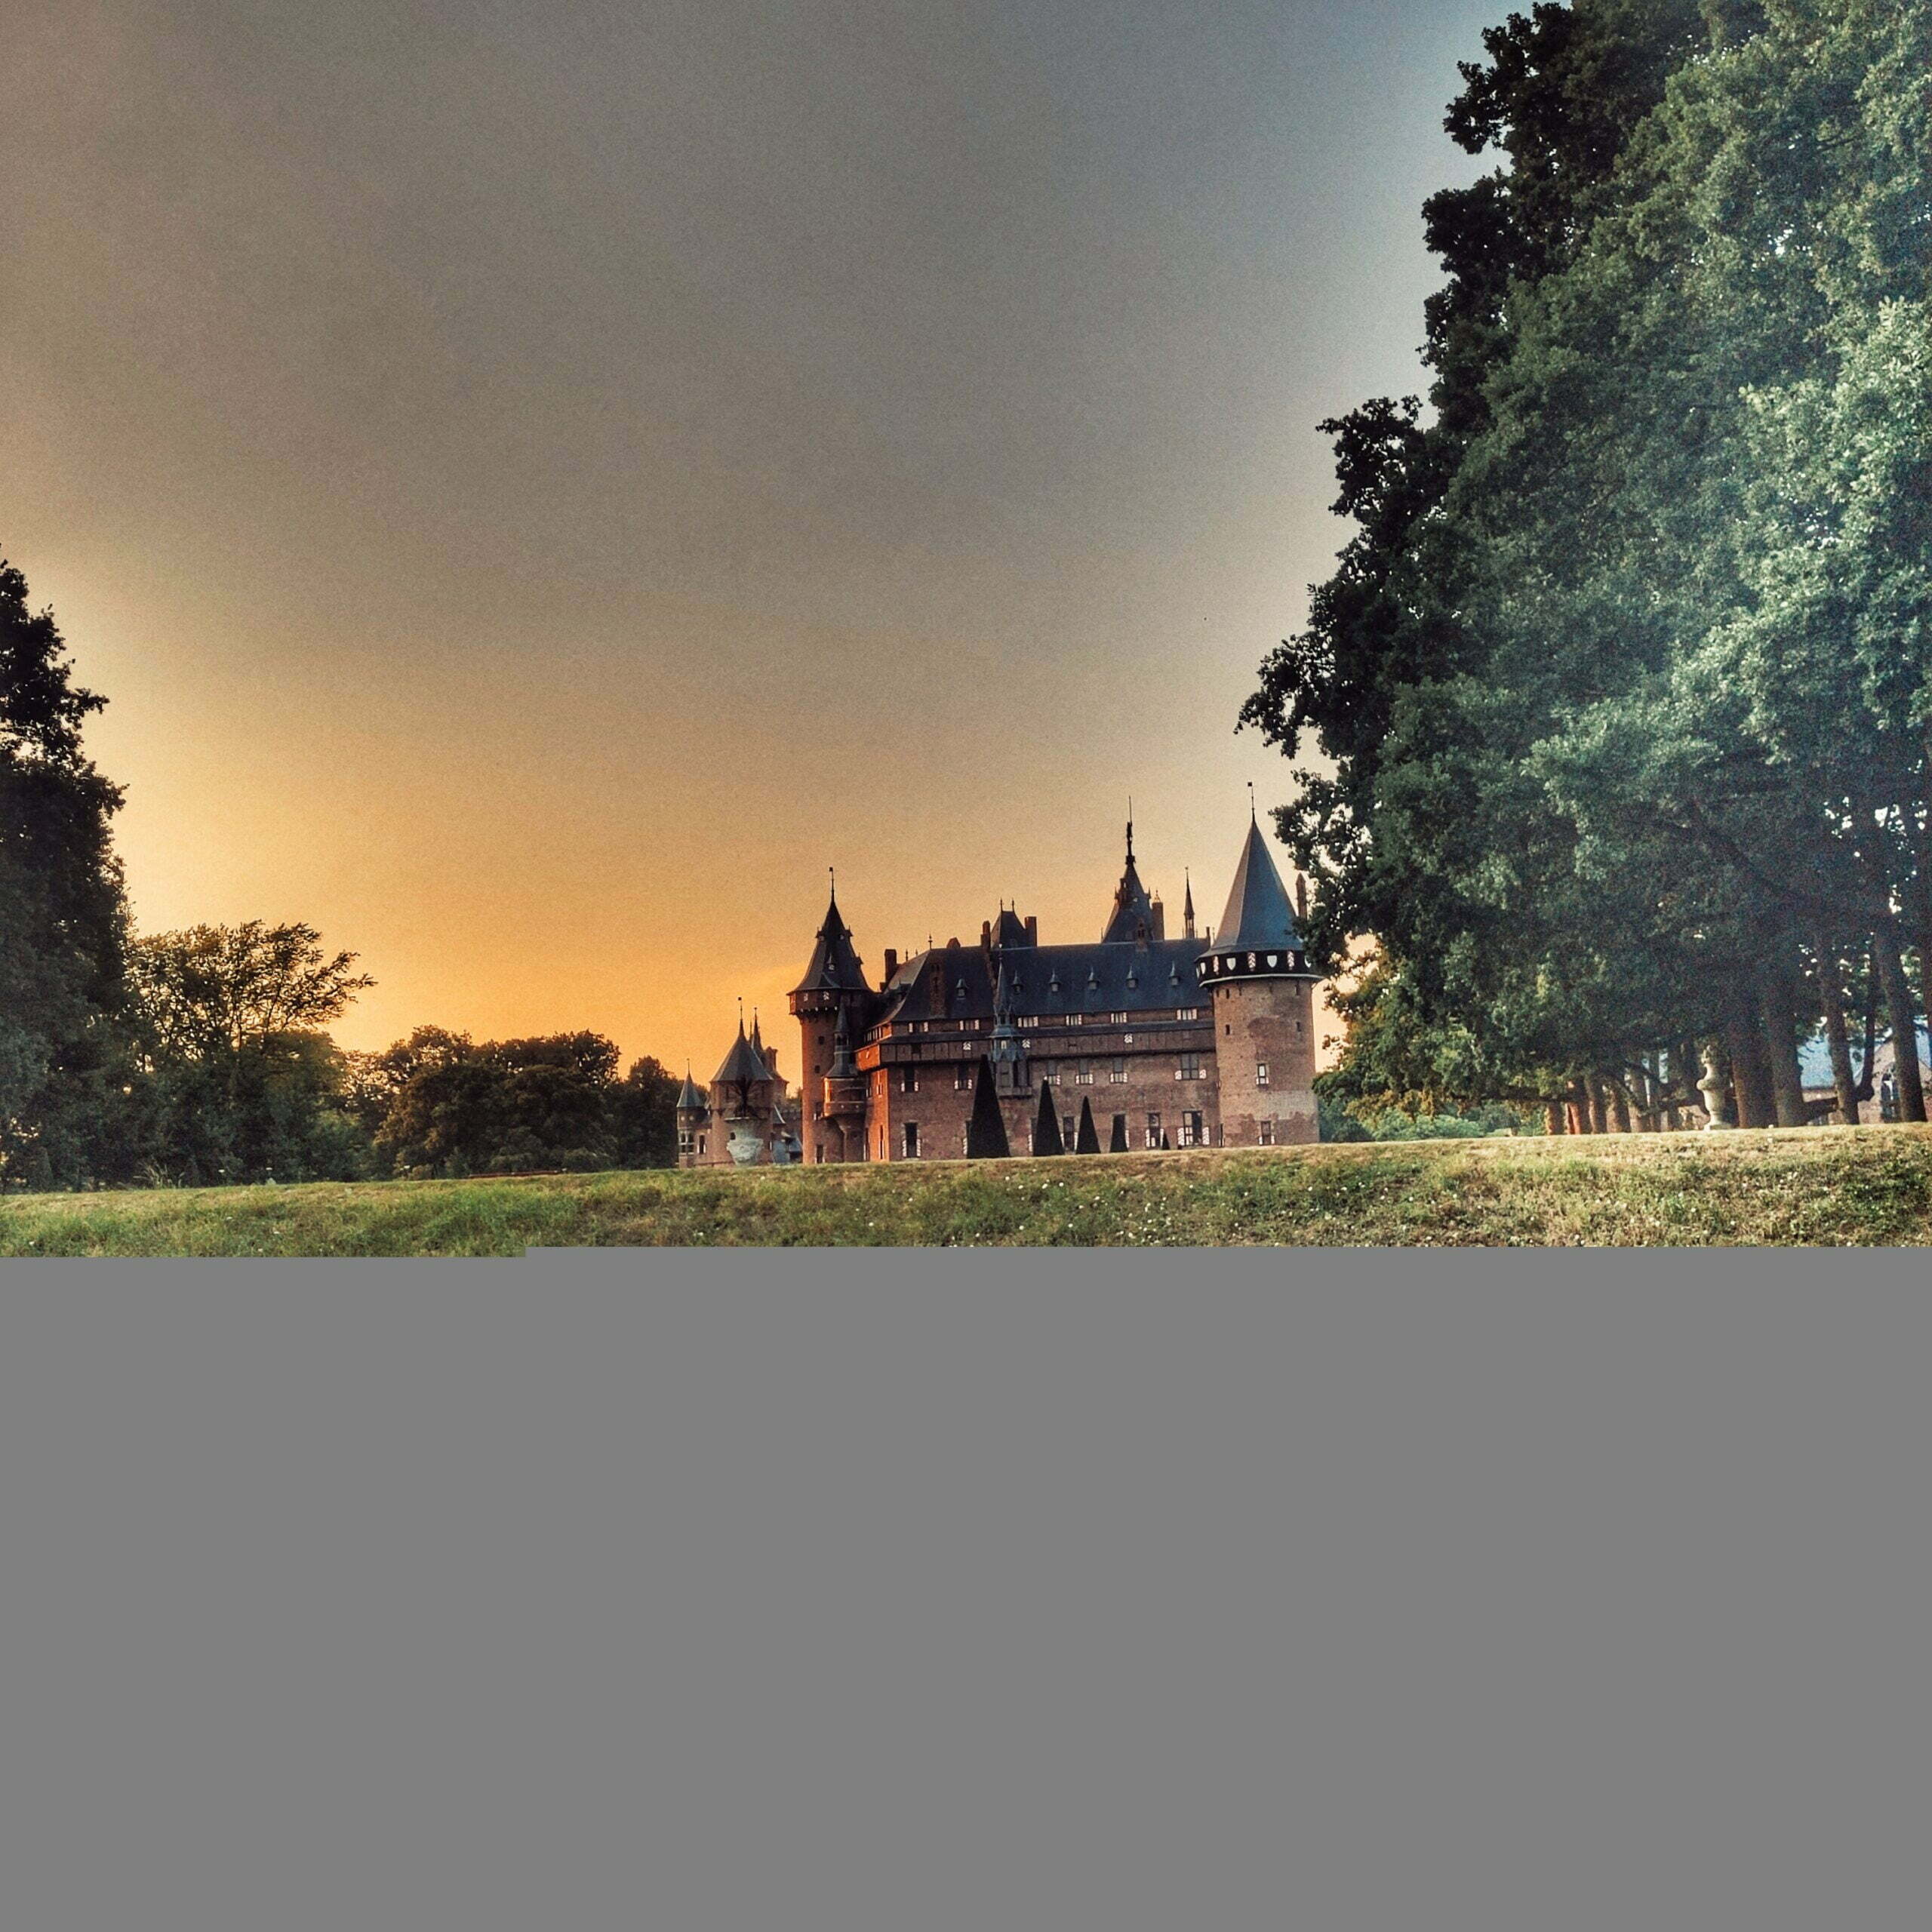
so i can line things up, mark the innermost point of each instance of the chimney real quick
(1159, 920)
(985, 935)
(771, 1060)
(1032, 929)
(891, 963)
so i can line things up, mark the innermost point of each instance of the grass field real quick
(1828, 1186)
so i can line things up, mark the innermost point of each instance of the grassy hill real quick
(1829, 1186)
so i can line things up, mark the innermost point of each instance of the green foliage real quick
(439, 1103)
(1625, 677)
(62, 921)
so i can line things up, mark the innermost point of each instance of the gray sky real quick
(539, 483)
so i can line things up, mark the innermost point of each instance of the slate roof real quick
(741, 1063)
(1048, 982)
(1133, 911)
(833, 966)
(1258, 914)
(689, 1100)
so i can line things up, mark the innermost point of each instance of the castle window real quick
(1187, 1013)
(1118, 1019)
(1083, 1076)
(1076, 1019)
(1267, 1133)
(1191, 1132)
(1049, 1073)
(909, 1080)
(1153, 1130)
(1129, 1039)
(1117, 1073)
(1261, 1073)
(1069, 1132)
(700, 1143)
(963, 1078)
(685, 1140)
(1189, 1068)
(912, 1139)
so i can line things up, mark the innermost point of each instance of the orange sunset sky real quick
(537, 486)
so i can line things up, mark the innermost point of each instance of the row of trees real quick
(1621, 691)
(203, 1056)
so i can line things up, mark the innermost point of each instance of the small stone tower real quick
(832, 997)
(694, 1112)
(1263, 993)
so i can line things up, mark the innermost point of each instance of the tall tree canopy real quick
(1623, 680)
(63, 921)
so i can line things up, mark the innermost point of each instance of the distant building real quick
(1162, 1043)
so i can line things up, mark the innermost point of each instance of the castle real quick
(1009, 1047)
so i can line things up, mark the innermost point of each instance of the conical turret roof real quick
(742, 1063)
(689, 1100)
(1132, 915)
(833, 966)
(1258, 914)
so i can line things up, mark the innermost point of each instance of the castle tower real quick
(844, 1093)
(1132, 917)
(1263, 993)
(832, 994)
(1007, 1053)
(693, 1112)
(742, 1101)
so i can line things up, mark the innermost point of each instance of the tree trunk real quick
(1552, 1117)
(1750, 1070)
(1578, 1107)
(1905, 1022)
(1720, 1102)
(1686, 1070)
(1774, 1008)
(1599, 1110)
(1619, 1107)
(1831, 997)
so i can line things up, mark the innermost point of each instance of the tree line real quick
(1613, 724)
(203, 1056)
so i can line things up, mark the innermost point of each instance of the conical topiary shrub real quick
(1088, 1140)
(1046, 1127)
(986, 1132)
(1117, 1142)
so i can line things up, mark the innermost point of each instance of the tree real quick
(1046, 1124)
(63, 917)
(1624, 675)
(240, 1082)
(986, 1131)
(644, 1105)
(445, 1105)
(212, 990)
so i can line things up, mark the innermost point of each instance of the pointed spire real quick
(1132, 915)
(844, 1067)
(1258, 913)
(689, 1100)
(744, 1064)
(833, 966)
(1187, 906)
